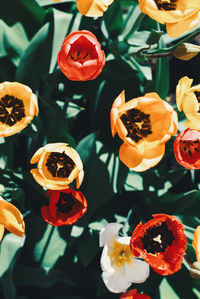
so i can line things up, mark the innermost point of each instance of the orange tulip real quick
(81, 57)
(58, 165)
(11, 219)
(18, 105)
(145, 124)
(179, 16)
(196, 242)
(93, 8)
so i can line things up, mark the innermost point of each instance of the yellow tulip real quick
(179, 16)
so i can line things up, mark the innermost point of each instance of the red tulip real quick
(65, 207)
(133, 294)
(81, 57)
(187, 149)
(161, 242)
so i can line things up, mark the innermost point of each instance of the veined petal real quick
(11, 218)
(109, 234)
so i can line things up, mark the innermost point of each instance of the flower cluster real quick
(161, 242)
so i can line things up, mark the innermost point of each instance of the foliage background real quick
(63, 262)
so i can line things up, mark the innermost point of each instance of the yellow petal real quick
(114, 111)
(196, 242)
(178, 28)
(37, 155)
(182, 87)
(93, 8)
(1, 231)
(79, 179)
(11, 218)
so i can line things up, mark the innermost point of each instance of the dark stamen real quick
(11, 110)
(60, 165)
(65, 203)
(157, 238)
(85, 56)
(137, 124)
(161, 5)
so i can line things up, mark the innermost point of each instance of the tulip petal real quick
(116, 281)
(137, 271)
(130, 155)
(109, 233)
(177, 28)
(93, 8)
(196, 242)
(183, 85)
(1, 231)
(105, 261)
(11, 218)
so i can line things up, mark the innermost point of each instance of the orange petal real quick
(196, 242)
(130, 156)
(114, 111)
(11, 218)
(93, 8)
(37, 155)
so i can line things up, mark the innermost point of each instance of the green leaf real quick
(90, 239)
(113, 19)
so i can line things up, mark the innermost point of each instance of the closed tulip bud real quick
(186, 51)
(195, 270)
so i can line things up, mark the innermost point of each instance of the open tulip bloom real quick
(133, 294)
(145, 124)
(18, 105)
(81, 57)
(93, 8)
(11, 219)
(179, 16)
(65, 207)
(187, 99)
(187, 149)
(161, 242)
(119, 265)
(58, 165)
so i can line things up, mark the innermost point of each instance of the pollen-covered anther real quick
(157, 238)
(60, 165)
(137, 123)
(166, 5)
(120, 254)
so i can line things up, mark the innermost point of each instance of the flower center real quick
(11, 110)
(157, 238)
(137, 124)
(166, 4)
(80, 56)
(190, 147)
(60, 165)
(120, 254)
(65, 203)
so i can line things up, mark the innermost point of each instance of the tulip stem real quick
(188, 228)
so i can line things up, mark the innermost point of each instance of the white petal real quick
(109, 233)
(105, 261)
(124, 240)
(116, 281)
(137, 271)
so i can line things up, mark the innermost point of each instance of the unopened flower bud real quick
(195, 270)
(186, 51)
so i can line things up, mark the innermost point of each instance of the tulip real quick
(81, 57)
(11, 219)
(18, 105)
(187, 149)
(179, 16)
(58, 165)
(133, 294)
(65, 207)
(144, 124)
(161, 242)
